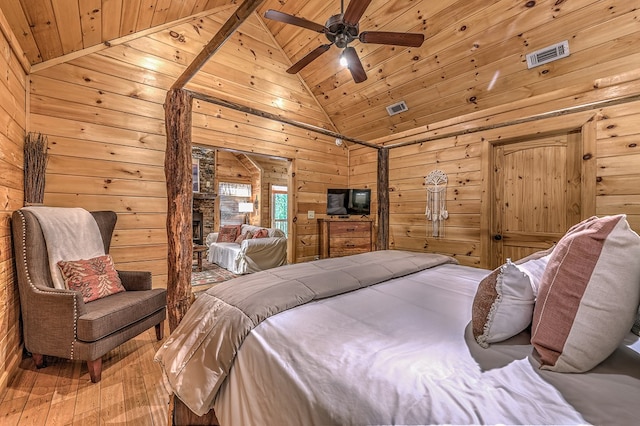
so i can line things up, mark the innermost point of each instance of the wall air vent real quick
(397, 108)
(548, 54)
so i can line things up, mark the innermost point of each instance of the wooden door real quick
(536, 192)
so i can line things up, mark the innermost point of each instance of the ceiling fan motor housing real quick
(339, 33)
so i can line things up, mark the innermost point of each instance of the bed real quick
(377, 338)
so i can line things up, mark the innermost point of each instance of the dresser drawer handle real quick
(351, 229)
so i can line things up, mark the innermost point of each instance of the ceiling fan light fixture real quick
(340, 30)
(343, 60)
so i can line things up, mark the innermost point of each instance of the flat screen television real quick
(346, 202)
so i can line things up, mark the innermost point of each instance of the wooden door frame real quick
(585, 122)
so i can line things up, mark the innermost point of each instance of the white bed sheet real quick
(352, 359)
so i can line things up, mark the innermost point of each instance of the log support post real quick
(178, 174)
(383, 199)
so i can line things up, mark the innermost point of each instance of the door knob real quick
(497, 237)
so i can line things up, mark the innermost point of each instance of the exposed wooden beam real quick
(228, 28)
(383, 199)
(270, 116)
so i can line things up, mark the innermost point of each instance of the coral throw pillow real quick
(261, 233)
(94, 278)
(589, 295)
(228, 233)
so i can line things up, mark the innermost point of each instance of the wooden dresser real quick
(342, 237)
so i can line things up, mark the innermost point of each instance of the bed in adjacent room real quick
(388, 338)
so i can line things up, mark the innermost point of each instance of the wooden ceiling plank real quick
(567, 97)
(118, 41)
(42, 22)
(129, 18)
(91, 22)
(67, 13)
(243, 12)
(200, 6)
(470, 68)
(302, 37)
(444, 21)
(174, 10)
(406, 17)
(439, 70)
(145, 14)
(111, 15)
(308, 90)
(160, 13)
(187, 8)
(9, 34)
(259, 60)
(229, 66)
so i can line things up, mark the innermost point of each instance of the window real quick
(231, 196)
(279, 208)
(195, 171)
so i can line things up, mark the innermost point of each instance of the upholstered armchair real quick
(58, 321)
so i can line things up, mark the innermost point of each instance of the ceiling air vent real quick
(397, 108)
(548, 54)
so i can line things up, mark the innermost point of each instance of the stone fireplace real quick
(204, 200)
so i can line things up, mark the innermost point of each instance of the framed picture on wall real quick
(195, 168)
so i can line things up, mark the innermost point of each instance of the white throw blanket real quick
(70, 234)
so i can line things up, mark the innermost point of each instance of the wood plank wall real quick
(13, 124)
(103, 114)
(617, 159)
(317, 163)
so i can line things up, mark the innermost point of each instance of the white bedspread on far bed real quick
(391, 353)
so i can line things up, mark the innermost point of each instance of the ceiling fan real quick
(342, 29)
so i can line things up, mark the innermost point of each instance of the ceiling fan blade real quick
(306, 60)
(276, 15)
(355, 66)
(355, 10)
(396, 39)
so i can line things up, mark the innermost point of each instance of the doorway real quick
(537, 194)
(538, 180)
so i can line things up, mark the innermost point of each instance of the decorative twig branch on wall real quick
(436, 183)
(35, 166)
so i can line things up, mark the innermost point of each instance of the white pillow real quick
(534, 269)
(503, 305)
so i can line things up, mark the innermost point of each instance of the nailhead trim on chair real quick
(36, 289)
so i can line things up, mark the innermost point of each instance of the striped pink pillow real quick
(589, 295)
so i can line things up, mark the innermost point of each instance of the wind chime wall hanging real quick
(436, 183)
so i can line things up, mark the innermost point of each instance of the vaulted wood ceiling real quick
(473, 57)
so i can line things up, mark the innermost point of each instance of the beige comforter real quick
(198, 355)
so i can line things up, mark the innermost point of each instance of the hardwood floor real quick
(131, 391)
